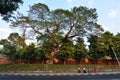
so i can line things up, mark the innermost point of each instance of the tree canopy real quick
(60, 33)
(7, 7)
(43, 22)
(57, 26)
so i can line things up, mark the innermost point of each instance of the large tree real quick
(66, 50)
(12, 45)
(80, 49)
(30, 52)
(17, 40)
(7, 7)
(8, 49)
(69, 24)
(116, 45)
(97, 47)
(107, 38)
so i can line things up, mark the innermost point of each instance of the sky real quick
(108, 12)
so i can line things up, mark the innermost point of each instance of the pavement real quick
(59, 73)
(60, 77)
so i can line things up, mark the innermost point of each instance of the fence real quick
(68, 61)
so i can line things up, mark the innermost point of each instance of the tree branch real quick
(66, 36)
(37, 31)
(57, 27)
(49, 31)
(73, 35)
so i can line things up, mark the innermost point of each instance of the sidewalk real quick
(52, 73)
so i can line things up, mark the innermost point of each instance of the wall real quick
(56, 61)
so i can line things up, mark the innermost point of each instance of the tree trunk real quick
(79, 61)
(64, 62)
(52, 55)
(20, 61)
(43, 61)
(28, 61)
(14, 61)
(51, 60)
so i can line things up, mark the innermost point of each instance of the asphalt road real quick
(62, 77)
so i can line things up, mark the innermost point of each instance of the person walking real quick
(84, 70)
(79, 70)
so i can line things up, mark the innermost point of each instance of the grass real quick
(34, 67)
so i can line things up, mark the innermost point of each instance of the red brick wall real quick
(5, 61)
(69, 61)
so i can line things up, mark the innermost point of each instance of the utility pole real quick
(115, 56)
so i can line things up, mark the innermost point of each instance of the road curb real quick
(58, 74)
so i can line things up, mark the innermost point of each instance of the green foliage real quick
(80, 49)
(107, 38)
(7, 7)
(30, 52)
(9, 51)
(52, 28)
(101, 46)
(77, 22)
(116, 44)
(53, 67)
(16, 40)
(47, 47)
(21, 53)
(41, 53)
(58, 29)
(4, 42)
(96, 47)
(66, 50)
(12, 46)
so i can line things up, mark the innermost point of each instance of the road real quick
(61, 77)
